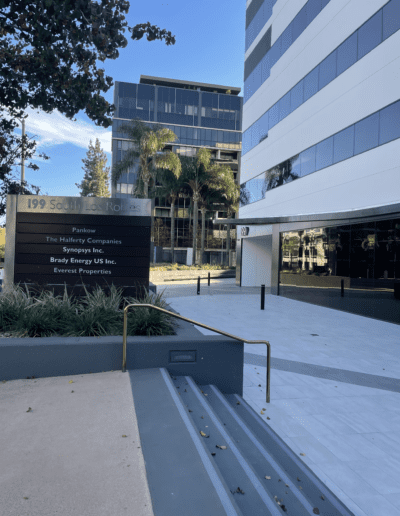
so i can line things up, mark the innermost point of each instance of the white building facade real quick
(320, 164)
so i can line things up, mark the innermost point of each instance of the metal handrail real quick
(203, 326)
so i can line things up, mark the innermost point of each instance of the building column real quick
(275, 259)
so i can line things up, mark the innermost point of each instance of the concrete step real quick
(189, 473)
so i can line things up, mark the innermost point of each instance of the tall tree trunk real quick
(146, 189)
(172, 230)
(195, 216)
(203, 233)
(228, 238)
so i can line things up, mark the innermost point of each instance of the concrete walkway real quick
(67, 454)
(70, 446)
(349, 432)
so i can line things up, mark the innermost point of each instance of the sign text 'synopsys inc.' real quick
(83, 205)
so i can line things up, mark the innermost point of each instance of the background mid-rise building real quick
(201, 115)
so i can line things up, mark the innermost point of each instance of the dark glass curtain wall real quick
(368, 254)
(365, 256)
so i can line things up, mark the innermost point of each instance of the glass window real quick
(391, 18)
(275, 51)
(324, 156)
(246, 142)
(295, 164)
(347, 54)
(389, 123)
(257, 76)
(255, 138)
(299, 23)
(307, 161)
(296, 96)
(366, 134)
(327, 70)
(265, 68)
(370, 34)
(264, 125)
(183, 133)
(273, 115)
(124, 188)
(208, 135)
(286, 38)
(284, 106)
(343, 143)
(310, 84)
(313, 8)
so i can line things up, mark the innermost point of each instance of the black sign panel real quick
(73, 249)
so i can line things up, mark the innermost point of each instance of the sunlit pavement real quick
(343, 410)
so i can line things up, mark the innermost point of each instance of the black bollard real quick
(198, 285)
(208, 279)
(342, 287)
(262, 296)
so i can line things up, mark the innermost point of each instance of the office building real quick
(320, 164)
(201, 115)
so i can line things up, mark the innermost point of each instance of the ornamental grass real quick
(94, 315)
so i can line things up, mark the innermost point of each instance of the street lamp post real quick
(23, 153)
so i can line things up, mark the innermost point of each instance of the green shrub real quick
(95, 314)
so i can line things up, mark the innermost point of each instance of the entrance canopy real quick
(311, 217)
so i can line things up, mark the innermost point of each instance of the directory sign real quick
(52, 241)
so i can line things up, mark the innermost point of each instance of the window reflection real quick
(343, 144)
(362, 136)
(366, 134)
(367, 255)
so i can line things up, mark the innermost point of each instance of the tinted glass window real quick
(307, 161)
(347, 54)
(295, 166)
(273, 115)
(264, 125)
(389, 123)
(324, 152)
(287, 39)
(343, 143)
(313, 8)
(370, 35)
(366, 134)
(327, 70)
(265, 68)
(275, 51)
(391, 18)
(245, 142)
(257, 76)
(284, 106)
(299, 24)
(296, 96)
(310, 84)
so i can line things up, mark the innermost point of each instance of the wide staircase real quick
(210, 454)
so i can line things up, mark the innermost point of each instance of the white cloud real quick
(51, 129)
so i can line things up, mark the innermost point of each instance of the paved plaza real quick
(335, 397)
(335, 385)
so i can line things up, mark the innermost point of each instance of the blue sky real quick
(210, 40)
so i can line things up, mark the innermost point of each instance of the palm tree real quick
(201, 173)
(207, 202)
(229, 196)
(170, 188)
(148, 144)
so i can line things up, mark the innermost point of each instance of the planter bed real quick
(215, 360)
(160, 276)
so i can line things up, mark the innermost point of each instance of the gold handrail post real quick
(124, 339)
(203, 326)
